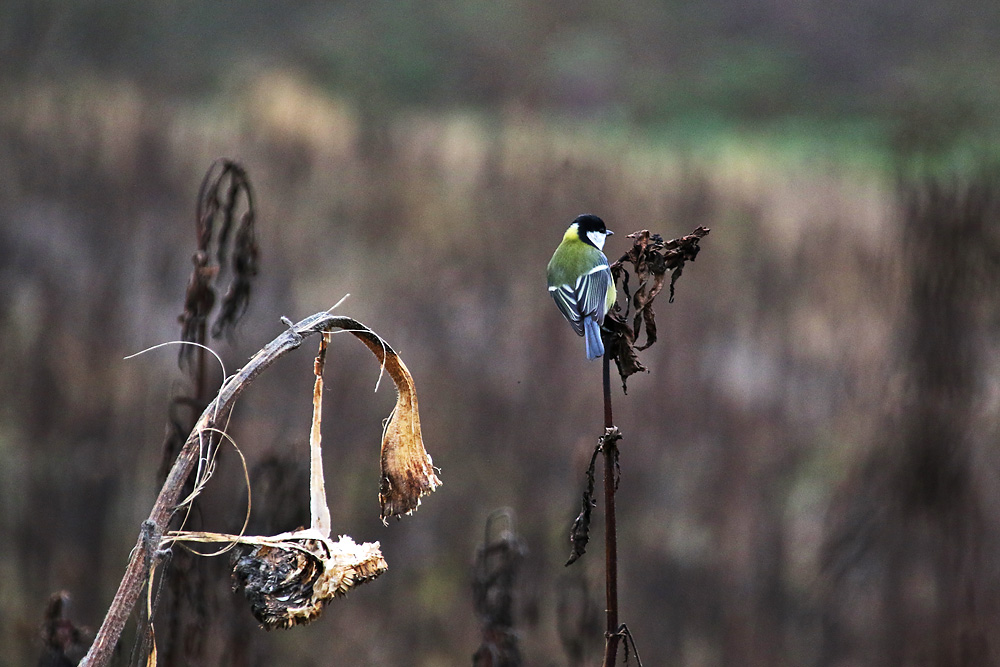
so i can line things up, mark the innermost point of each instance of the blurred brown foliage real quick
(801, 500)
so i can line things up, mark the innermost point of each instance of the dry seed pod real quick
(289, 582)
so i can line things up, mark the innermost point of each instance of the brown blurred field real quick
(762, 518)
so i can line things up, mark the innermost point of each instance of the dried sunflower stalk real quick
(288, 579)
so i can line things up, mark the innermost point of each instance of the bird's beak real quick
(609, 232)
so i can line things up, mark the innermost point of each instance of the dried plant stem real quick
(609, 419)
(319, 511)
(212, 418)
(610, 448)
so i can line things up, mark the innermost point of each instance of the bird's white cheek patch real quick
(598, 239)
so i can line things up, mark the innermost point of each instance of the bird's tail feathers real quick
(592, 336)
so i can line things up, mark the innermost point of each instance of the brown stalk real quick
(610, 448)
(651, 258)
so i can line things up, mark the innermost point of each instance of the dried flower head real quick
(289, 581)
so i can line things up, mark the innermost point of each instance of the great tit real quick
(580, 280)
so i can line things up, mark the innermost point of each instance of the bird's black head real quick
(592, 230)
(589, 223)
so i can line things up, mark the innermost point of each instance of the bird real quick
(580, 280)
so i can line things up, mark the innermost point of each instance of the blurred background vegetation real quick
(809, 468)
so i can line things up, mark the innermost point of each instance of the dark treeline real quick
(652, 62)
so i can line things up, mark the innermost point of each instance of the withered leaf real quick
(651, 258)
(407, 469)
(619, 342)
(579, 534)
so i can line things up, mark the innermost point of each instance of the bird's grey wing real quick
(567, 298)
(592, 292)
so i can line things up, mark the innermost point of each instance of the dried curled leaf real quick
(650, 269)
(651, 258)
(579, 534)
(619, 341)
(288, 582)
(407, 469)
(226, 210)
